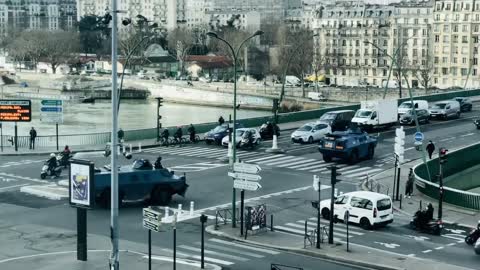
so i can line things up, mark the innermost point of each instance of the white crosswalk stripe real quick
(363, 173)
(196, 167)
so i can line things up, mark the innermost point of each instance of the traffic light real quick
(443, 155)
(399, 147)
(334, 175)
(160, 101)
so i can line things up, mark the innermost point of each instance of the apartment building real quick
(456, 30)
(167, 13)
(18, 15)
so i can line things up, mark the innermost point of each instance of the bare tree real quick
(29, 45)
(180, 42)
(60, 48)
(424, 74)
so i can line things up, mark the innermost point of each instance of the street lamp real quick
(470, 66)
(234, 55)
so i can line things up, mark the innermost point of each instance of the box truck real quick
(376, 114)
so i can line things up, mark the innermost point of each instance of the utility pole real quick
(159, 117)
(442, 159)
(334, 180)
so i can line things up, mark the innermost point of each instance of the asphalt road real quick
(286, 189)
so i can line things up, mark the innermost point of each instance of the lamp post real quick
(234, 55)
(470, 67)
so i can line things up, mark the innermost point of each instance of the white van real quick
(316, 96)
(369, 209)
(407, 105)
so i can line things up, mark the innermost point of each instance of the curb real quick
(210, 229)
(42, 191)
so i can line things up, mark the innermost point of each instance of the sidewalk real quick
(45, 248)
(408, 206)
(358, 255)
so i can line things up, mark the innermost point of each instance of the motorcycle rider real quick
(178, 134)
(165, 135)
(249, 137)
(158, 164)
(191, 131)
(52, 162)
(66, 151)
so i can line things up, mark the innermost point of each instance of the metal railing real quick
(225, 216)
(275, 266)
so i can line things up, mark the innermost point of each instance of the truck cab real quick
(376, 114)
(351, 145)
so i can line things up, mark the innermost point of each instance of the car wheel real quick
(310, 140)
(327, 158)
(208, 142)
(458, 115)
(325, 213)
(470, 108)
(365, 223)
(371, 152)
(160, 196)
(43, 175)
(353, 158)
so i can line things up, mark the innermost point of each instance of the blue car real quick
(216, 135)
(350, 145)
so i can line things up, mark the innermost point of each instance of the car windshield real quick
(439, 106)
(384, 204)
(328, 116)
(305, 128)
(218, 129)
(406, 105)
(363, 114)
(240, 133)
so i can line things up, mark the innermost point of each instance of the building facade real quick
(167, 13)
(18, 15)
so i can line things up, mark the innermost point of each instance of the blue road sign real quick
(419, 136)
(51, 109)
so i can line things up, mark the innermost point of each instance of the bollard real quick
(336, 192)
(130, 146)
(271, 223)
(179, 209)
(139, 147)
(123, 149)
(166, 212)
(119, 150)
(420, 205)
(341, 193)
(401, 198)
(191, 208)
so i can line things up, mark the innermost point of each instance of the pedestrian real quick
(33, 136)
(430, 149)
(221, 120)
(409, 184)
(120, 135)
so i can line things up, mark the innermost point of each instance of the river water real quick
(82, 118)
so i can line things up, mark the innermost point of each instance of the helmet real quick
(52, 155)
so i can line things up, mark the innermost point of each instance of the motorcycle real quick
(471, 238)
(47, 172)
(420, 222)
(266, 133)
(64, 160)
(245, 142)
(477, 123)
(477, 248)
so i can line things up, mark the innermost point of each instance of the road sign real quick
(15, 110)
(245, 176)
(246, 185)
(419, 136)
(151, 214)
(151, 225)
(51, 111)
(246, 168)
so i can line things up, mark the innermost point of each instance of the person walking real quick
(120, 135)
(430, 149)
(33, 136)
(409, 184)
(221, 120)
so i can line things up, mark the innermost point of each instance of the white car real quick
(369, 209)
(239, 134)
(310, 132)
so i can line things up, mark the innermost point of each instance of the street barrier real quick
(453, 188)
(151, 133)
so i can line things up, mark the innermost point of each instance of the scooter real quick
(46, 172)
(64, 160)
(472, 237)
(267, 133)
(434, 227)
(246, 143)
(477, 123)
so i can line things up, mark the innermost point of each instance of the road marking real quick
(364, 173)
(264, 158)
(468, 134)
(388, 245)
(246, 253)
(278, 160)
(5, 188)
(457, 237)
(232, 257)
(309, 165)
(438, 248)
(451, 244)
(213, 260)
(427, 251)
(24, 178)
(411, 255)
(291, 164)
(288, 161)
(410, 148)
(264, 250)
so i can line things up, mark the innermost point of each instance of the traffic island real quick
(357, 255)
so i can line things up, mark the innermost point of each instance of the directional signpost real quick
(245, 178)
(152, 222)
(51, 111)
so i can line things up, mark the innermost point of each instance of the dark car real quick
(351, 145)
(465, 104)
(409, 119)
(216, 135)
(338, 120)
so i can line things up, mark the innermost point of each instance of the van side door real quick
(360, 207)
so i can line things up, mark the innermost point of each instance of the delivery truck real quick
(375, 114)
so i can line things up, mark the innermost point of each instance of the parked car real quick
(350, 145)
(218, 133)
(408, 118)
(407, 105)
(338, 120)
(465, 104)
(239, 134)
(445, 109)
(310, 132)
(368, 209)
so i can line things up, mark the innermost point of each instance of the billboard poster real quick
(81, 184)
(256, 217)
(15, 110)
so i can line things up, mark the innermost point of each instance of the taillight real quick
(374, 212)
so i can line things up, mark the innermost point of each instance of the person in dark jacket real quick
(33, 136)
(430, 149)
(158, 164)
(191, 131)
(409, 184)
(120, 135)
(221, 120)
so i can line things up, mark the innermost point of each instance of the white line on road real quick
(5, 188)
(232, 257)
(468, 134)
(438, 248)
(244, 246)
(409, 148)
(451, 244)
(427, 251)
